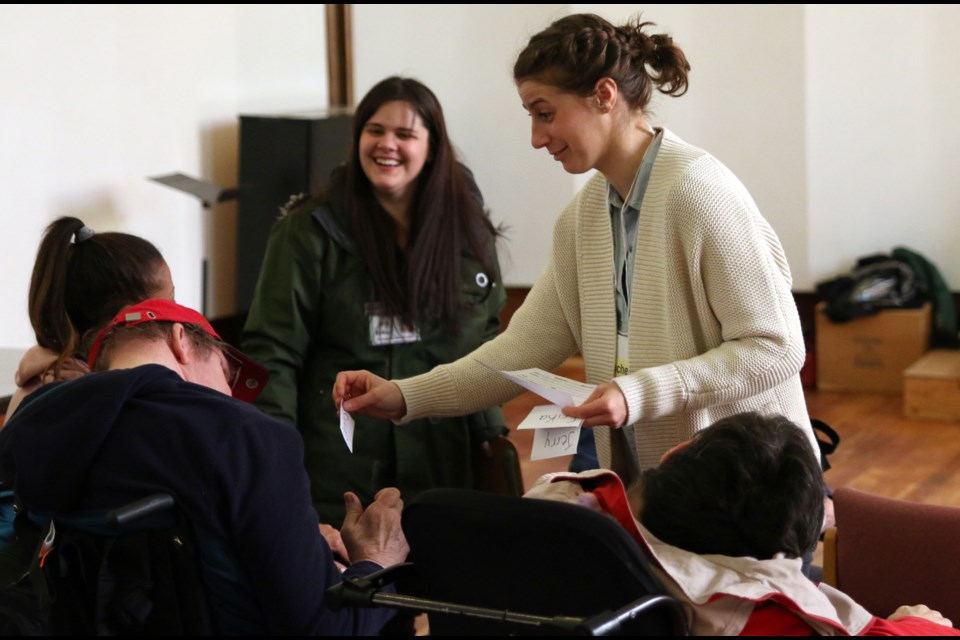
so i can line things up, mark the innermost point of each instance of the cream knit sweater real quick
(713, 326)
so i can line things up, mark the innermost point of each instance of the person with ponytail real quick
(80, 280)
(664, 274)
(392, 266)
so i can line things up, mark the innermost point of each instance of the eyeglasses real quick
(232, 366)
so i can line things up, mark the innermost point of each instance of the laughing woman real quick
(392, 268)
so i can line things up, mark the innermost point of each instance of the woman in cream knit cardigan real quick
(664, 275)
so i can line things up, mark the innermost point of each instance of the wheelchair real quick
(487, 564)
(134, 570)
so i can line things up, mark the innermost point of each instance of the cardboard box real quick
(872, 352)
(931, 386)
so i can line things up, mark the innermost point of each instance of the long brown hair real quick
(81, 279)
(421, 283)
(576, 51)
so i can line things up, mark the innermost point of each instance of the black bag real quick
(827, 446)
(877, 282)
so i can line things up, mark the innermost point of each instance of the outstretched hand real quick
(374, 533)
(605, 406)
(369, 394)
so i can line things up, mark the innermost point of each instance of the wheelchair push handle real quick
(139, 509)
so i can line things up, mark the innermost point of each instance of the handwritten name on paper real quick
(548, 416)
(556, 434)
(553, 443)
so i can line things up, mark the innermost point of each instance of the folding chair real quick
(486, 564)
(497, 470)
(885, 552)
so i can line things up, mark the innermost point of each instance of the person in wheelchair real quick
(157, 416)
(725, 519)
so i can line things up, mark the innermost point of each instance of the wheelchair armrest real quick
(356, 591)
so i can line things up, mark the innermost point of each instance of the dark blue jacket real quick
(109, 438)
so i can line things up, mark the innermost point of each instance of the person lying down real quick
(725, 520)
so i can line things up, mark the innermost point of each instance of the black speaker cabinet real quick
(280, 156)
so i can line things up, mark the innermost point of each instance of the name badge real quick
(622, 367)
(385, 330)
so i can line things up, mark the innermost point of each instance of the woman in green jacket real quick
(392, 268)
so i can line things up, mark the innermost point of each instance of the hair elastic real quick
(83, 233)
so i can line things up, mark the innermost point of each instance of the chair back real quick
(892, 552)
(497, 469)
(537, 557)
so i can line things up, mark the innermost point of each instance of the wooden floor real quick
(885, 453)
(880, 450)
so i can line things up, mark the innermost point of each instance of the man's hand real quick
(340, 554)
(369, 394)
(920, 611)
(605, 406)
(374, 534)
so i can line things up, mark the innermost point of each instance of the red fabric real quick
(771, 619)
(612, 497)
(908, 626)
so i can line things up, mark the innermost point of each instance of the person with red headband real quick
(166, 410)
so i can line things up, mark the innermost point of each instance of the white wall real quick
(839, 119)
(465, 54)
(836, 118)
(95, 98)
(745, 103)
(883, 136)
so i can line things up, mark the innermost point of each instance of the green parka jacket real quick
(309, 320)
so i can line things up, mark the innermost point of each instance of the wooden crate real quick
(931, 386)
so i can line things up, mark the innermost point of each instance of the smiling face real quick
(570, 127)
(394, 146)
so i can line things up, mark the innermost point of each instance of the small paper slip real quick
(553, 443)
(556, 434)
(346, 427)
(548, 416)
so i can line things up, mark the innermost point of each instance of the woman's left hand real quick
(605, 406)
